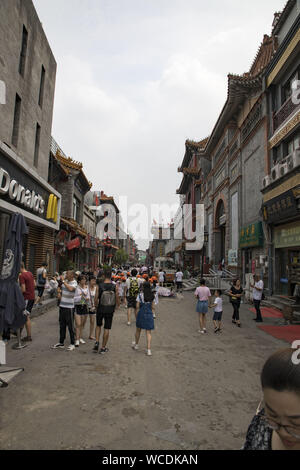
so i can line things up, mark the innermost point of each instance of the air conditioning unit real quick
(293, 160)
(267, 181)
(275, 173)
(284, 169)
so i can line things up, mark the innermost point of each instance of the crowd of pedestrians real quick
(97, 296)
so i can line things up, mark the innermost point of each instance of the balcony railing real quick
(284, 112)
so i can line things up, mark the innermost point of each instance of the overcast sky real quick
(136, 78)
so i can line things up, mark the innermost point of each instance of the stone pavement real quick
(195, 392)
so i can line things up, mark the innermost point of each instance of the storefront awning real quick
(75, 226)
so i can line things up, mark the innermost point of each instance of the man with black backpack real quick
(132, 291)
(106, 300)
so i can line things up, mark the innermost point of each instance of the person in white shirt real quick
(218, 311)
(178, 279)
(258, 289)
(82, 303)
(66, 305)
(161, 278)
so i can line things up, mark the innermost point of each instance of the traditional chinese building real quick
(227, 171)
(71, 243)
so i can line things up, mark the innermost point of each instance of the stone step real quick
(272, 302)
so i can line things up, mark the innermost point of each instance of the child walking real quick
(155, 293)
(218, 311)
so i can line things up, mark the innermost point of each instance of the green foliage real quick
(120, 257)
(66, 264)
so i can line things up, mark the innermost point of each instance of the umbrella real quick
(12, 303)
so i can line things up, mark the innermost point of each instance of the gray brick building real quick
(27, 84)
(28, 69)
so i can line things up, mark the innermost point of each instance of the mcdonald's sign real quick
(52, 208)
(23, 189)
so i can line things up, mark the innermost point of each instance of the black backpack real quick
(41, 280)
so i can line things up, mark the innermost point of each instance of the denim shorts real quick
(202, 307)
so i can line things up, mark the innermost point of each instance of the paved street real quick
(195, 392)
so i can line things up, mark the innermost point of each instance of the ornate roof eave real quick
(60, 167)
(74, 225)
(196, 146)
(192, 147)
(67, 163)
(239, 88)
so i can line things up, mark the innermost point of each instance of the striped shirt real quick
(67, 297)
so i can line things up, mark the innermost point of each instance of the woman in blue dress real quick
(144, 320)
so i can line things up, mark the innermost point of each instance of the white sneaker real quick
(129, 324)
(149, 353)
(77, 343)
(58, 346)
(71, 347)
(82, 341)
(135, 346)
(202, 332)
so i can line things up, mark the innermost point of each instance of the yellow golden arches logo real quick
(52, 208)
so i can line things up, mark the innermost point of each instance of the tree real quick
(120, 257)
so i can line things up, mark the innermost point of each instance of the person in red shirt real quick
(27, 284)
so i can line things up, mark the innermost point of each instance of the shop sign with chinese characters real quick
(252, 236)
(287, 236)
(281, 207)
